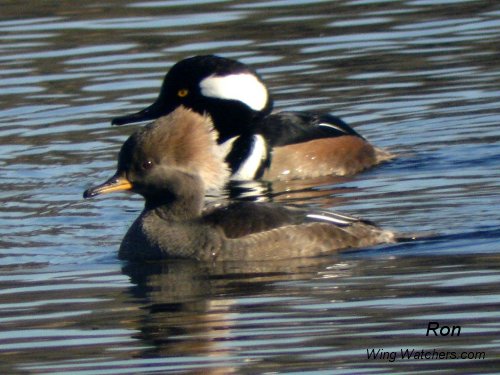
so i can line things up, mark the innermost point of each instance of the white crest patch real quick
(250, 166)
(244, 87)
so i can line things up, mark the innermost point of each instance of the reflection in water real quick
(316, 191)
(195, 310)
(190, 306)
(320, 192)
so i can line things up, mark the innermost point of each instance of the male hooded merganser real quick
(259, 144)
(170, 161)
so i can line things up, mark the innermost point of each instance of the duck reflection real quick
(317, 190)
(190, 308)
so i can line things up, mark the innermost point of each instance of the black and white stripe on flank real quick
(256, 156)
(244, 87)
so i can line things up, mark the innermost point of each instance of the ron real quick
(443, 330)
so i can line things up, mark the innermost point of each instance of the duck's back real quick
(248, 231)
(264, 231)
(305, 240)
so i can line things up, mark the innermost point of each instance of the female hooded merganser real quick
(258, 143)
(170, 161)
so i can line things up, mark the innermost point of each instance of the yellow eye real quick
(182, 93)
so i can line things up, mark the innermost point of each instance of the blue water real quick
(420, 78)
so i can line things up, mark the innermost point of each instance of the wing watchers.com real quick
(421, 354)
(434, 329)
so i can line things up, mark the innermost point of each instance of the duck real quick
(171, 161)
(260, 143)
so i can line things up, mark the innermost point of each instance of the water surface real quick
(418, 77)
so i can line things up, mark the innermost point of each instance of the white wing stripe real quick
(325, 124)
(328, 218)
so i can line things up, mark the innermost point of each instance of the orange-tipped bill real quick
(115, 183)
